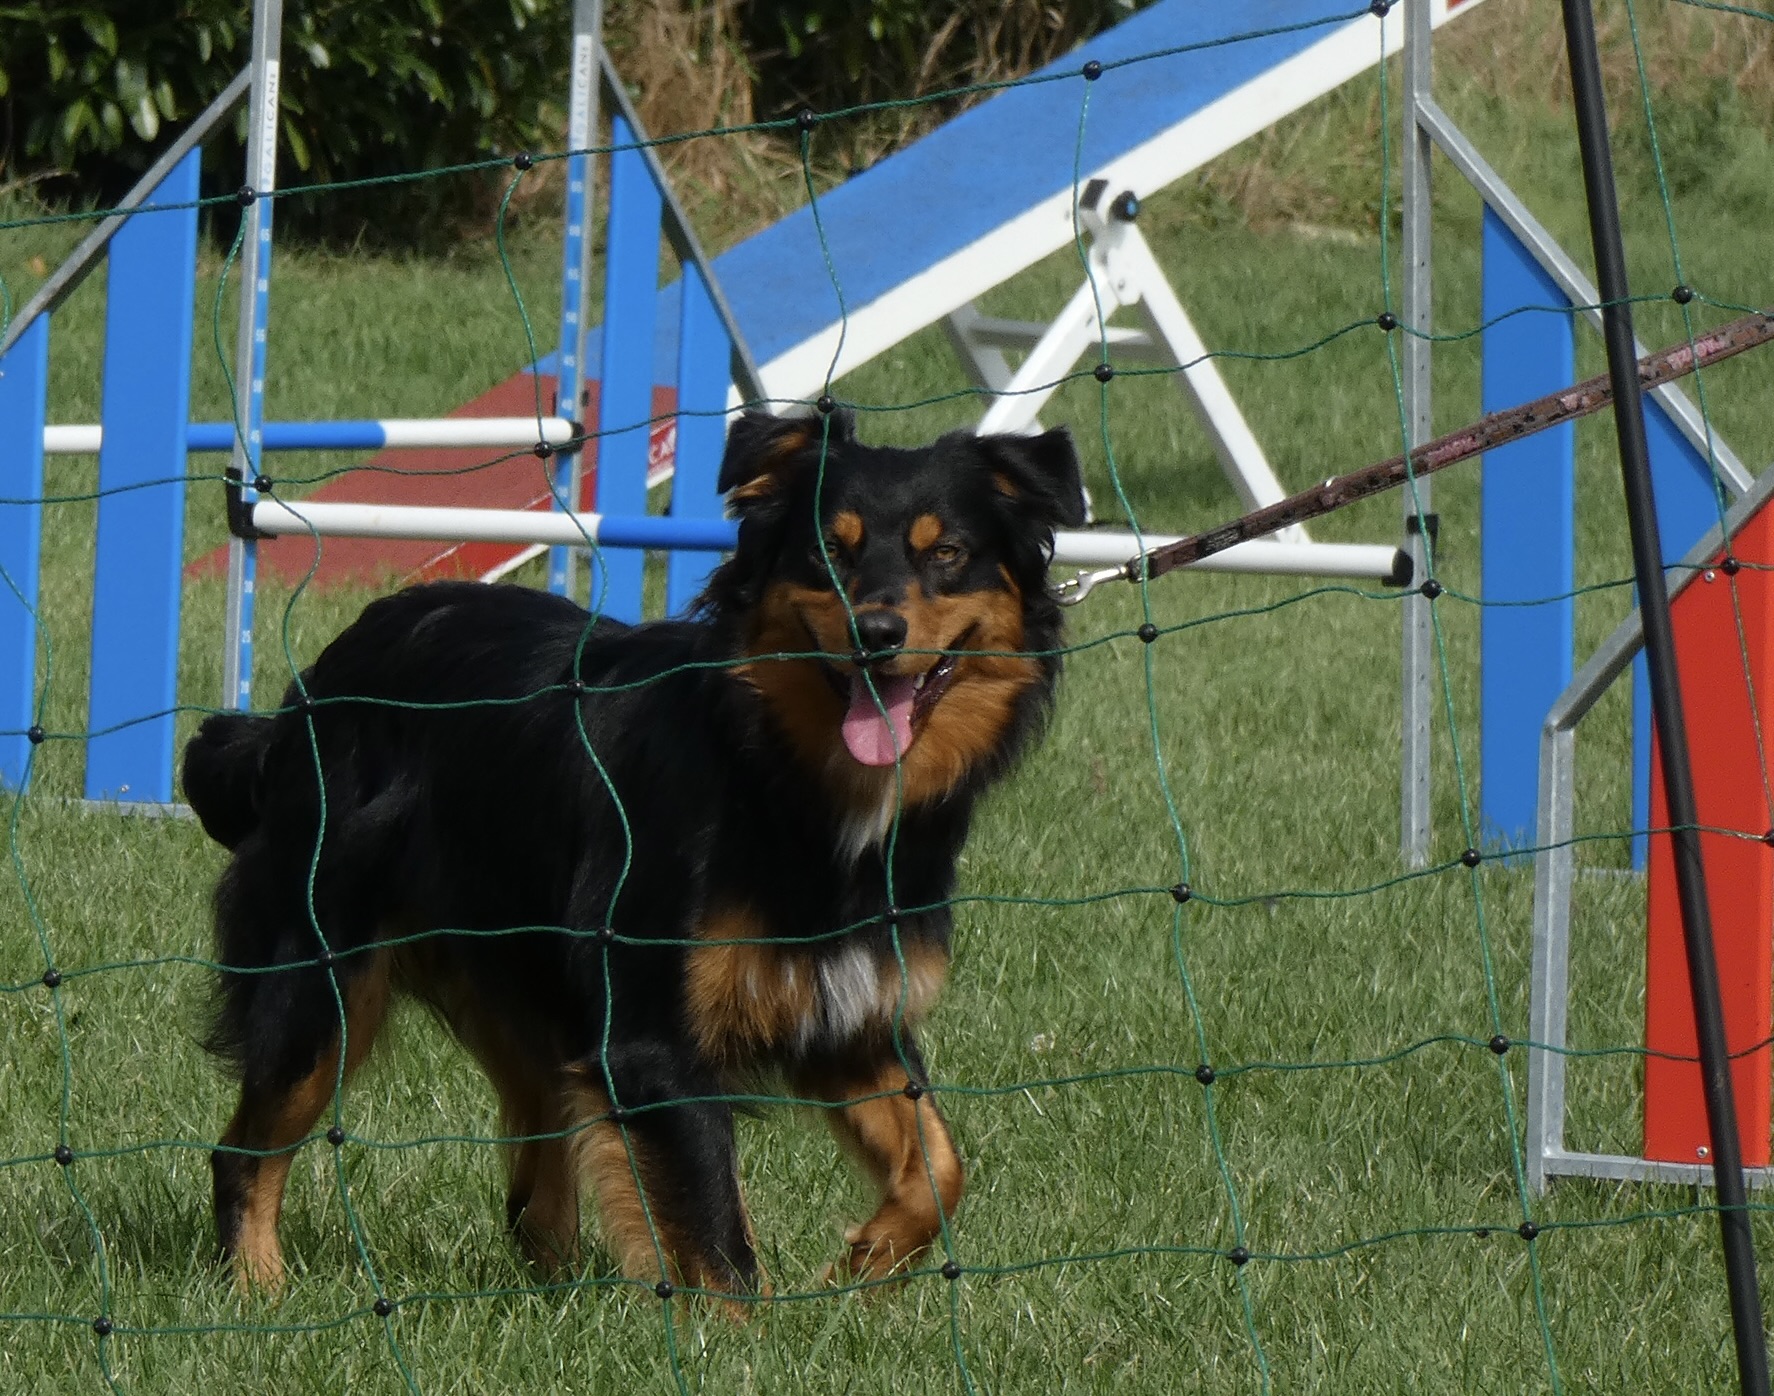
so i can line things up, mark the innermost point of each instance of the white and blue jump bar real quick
(488, 433)
(328, 519)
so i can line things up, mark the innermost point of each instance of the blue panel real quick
(651, 531)
(24, 382)
(704, 376)
(1687, 505)
(625, 392)
(150, 295)
(1526, 536)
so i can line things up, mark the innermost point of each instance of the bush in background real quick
(93, 90)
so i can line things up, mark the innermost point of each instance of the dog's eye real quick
(947, 553)
(829, 550)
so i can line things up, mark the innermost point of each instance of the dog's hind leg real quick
(902, 1141)
(663, 1166)
(542, 1185)
(290, 1072)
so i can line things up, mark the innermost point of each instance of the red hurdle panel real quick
(1727, 692)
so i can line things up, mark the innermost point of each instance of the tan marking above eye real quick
(847, 528)
(924, 532)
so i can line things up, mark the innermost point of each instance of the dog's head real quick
(892, 603)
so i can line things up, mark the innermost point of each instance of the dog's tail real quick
(222, 769)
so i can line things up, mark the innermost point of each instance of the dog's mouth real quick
(884, 712)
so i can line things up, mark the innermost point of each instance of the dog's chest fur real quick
(750, 1000)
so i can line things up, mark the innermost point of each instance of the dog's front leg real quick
(885, 1118)
(656, 1145)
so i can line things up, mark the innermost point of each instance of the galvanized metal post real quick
(249, 346)
(1419, 636)
(570, 376)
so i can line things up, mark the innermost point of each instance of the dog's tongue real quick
(874, 739)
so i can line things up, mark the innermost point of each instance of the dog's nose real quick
(878, 632)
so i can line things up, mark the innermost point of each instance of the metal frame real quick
(249, 351)
(1554, 873)
(1428, 128)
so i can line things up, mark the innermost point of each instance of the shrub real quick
(93, 90)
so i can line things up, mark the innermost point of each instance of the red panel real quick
(1731, 793)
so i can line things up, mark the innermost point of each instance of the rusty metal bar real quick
(1497, 429)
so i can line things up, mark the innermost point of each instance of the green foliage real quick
(834, 53)
(93, 87)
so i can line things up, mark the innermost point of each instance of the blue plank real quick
(149, 302)
(1688, 503)
(704, 377)
(975, 173)
(625, 391)
(980, 170)
(1526, 536)
(24, 384)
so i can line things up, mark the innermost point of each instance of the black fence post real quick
(1666, 698)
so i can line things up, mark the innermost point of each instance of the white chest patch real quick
(867, 827)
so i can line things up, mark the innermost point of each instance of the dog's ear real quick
(763, 450)
(1038, 475)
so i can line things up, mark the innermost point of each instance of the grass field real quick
(1359, 1139)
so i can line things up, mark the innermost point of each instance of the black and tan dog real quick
(635, 869)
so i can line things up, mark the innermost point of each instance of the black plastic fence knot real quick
(1527, 1231)
(541, 450)
(382, 1307)
(806, 118)
(51, 977)
(335, 1136)
(825, 404)
(665, 1289)
(263, 483)
(35, 735)
(1730, 567)
(1239, 1256)
(1103, 372)
(1431, 588)
(245, 195)
(1379, 8)
(951, 1270)
(1386, 320)
(1147, 632)
(1682, 295)
(1092, 70)
(1499, 1044)
(913, 1090)
(1471, 858)
(523, 160)
(1181, 893)
(63, 1155)
(102, 1326)
(1204, 1074)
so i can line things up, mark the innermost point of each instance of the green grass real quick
(1358, 1126)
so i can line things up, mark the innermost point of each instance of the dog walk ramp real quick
(918, 238)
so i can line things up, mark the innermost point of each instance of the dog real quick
(638, 869)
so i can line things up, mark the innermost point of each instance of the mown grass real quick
(1358, 1135)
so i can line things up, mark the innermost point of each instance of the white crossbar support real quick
(1122, 272)
(544, 528)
